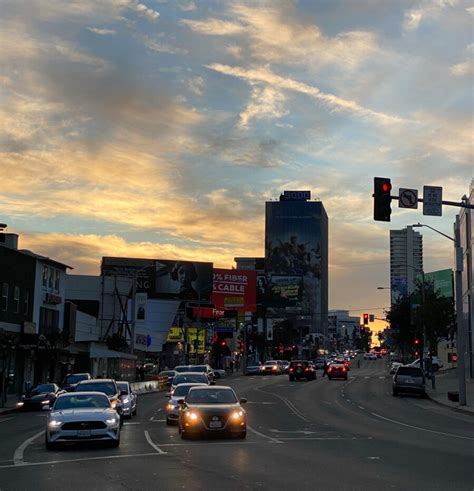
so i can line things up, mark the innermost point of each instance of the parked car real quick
(38, 397)
(301, 369)
(70, 381)
(106, 386)
(337, 370)
(219, 373)
(212, 410)
(128, 397)
(253, 369)
(82, 416)
(395, 366)
(437, 363)
(409, 379)
(172, 407)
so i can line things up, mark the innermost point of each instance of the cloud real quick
(333, 102)
(144, 11)
(158, 47)
(266, 103)
(214, 27)
(187, 6)
(196, 85)
(427, 10)
(101, 32)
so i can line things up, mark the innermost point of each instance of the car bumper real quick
(201, 429)
(61, 436)
(413, 389)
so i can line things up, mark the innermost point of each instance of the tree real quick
(409, 311)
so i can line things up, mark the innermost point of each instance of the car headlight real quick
(111, 421)
(46, 401)
(169, 406)
(192, 416)
(54, 423)
(237, 414)
(20, 404)
(113, 404)
(126, 400)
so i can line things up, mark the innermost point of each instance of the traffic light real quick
(366, 319)
(382, 199)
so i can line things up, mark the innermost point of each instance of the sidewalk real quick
(448, 381)
(10, 405)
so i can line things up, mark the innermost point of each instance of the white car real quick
(82, 416)
(128, 398)
(172, 407)
(370, 356)
(437, 363)
(394, 367)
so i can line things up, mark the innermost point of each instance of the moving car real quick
(370, 356)
(219, 373)
(82, 416)
(337, 370)
(128, 398)
(285, 365)
(39, 396)
(108, 387)
(253, 369)
(409, 379)
(173, 407)
(189, 377)
(212, 410)
(271, 367)
(203, 369)
(182, 368)
(70, 381)
(301, 369)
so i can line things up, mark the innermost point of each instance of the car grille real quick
(84, 425)
(207, 418)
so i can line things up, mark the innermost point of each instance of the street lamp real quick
(460, 341)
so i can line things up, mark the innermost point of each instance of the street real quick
(301, 435)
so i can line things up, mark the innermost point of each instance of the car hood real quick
(38, 397)
(214, 408)
(83, 414)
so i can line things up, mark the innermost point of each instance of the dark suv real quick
(301, 369)
(70, 381)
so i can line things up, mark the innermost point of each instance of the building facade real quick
(406, 261)
(296, 261)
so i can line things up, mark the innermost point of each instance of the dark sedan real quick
(212, 411)
(39, 396)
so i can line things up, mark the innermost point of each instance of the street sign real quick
(432, 200)
(408, 198)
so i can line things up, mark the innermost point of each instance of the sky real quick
(159, 128)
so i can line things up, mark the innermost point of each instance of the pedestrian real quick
(231, 366)
(325, 370)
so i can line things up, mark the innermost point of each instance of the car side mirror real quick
(181, 402)
(242, 400)
(46, 407)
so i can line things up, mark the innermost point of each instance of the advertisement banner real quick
(293, 257)
(140, 306)
(196, 338)
(234, 290)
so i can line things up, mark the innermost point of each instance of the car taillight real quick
(343, 369)
(291, 369)
(330, 369)
(306, 369)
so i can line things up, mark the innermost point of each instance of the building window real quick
(45, 275)
(16, 299)
(51, 278)
(5, 296)
(26, 302)
(56, 281)
(48, 322)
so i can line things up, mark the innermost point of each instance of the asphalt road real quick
(302, 435)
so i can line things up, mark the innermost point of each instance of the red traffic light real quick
(366, 319)
(417, 342)
(385, 187)
(223, 343)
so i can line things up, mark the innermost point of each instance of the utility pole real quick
(461, 345)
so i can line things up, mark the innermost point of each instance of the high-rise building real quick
(406, 261)
(296, 261)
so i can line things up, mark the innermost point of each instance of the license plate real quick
(215, 424)
(83, 433)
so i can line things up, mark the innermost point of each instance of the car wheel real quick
(135, 411)
(116, 443)
(49, 445)
(169, 422)
(242, 435)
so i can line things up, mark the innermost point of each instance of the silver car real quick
(128, 398)
(82, 416)
(190, 378)
(410, 380)
(172, 407)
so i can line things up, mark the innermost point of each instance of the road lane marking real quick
(361, 407)
(273, 440)
(303, 432)
(84, 459)
(19, 452)
(289, 404)
(152, 443)
(423, 429)
(6, 419)
(132, 423)
(158, 420)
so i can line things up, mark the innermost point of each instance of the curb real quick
(7, 411)
(457, 409)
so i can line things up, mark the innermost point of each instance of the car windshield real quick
(190, 377)
(181, 369)
(123, 387)
(270, 363)
(74, 379)
(211, 396)
(43, 388)
(198, 368)
(182, 390)
(80, 401)
(105, 387)
(410, 371)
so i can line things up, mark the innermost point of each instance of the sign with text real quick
(234, 289)
(432, 200)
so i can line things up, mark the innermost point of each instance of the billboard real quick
(234, 289)
(442, 281)
(293, 256)
(163, 278)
